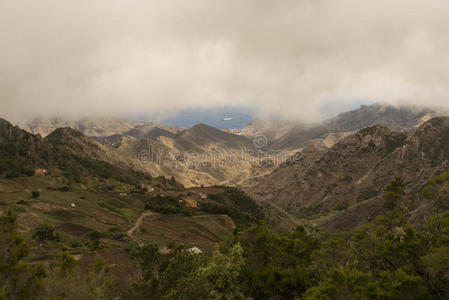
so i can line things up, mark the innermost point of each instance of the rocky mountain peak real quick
(10, 133)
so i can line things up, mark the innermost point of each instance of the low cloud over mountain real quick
(290, 57)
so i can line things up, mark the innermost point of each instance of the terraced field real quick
(203, 231)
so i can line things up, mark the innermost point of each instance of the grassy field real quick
(203, 231)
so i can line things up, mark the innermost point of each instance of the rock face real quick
(341, 188)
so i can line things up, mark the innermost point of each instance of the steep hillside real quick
(340, 188)
(201, 155)
(202, 135)
(290, 135)
(18, 150)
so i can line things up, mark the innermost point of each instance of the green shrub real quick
(35, 194)
(43, 233)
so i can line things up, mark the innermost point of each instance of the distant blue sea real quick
(241, 116)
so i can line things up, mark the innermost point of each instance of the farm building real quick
(41, 172)
(191, 202)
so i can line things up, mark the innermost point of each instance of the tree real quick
(277, 265)
(348, 283)
(18, 280)
(147, 257)
(437, 192)
(396, 215)
(393, 193)
(68, 281)
(177, 271)
(66, 264)
(221, 276)
(397, 284)
(43, 233)
(35, 194)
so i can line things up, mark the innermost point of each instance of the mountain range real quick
(204, 155)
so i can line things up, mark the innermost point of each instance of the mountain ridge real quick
(290, 135)
(206, 155)
(322, 187)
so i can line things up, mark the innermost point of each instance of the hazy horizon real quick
(240, 116)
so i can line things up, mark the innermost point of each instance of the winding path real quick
(138, 223)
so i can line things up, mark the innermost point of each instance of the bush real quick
(168, 205)
(12, 174)
(43, 233)
(35, 194)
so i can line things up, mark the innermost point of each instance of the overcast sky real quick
(292, 58)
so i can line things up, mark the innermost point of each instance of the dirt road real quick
(138, 223)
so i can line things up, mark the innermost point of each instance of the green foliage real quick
(435, 267)
(66, 264)
(44, 232)
(178, 273)
(68, 281)
(277, 265)
(147, 257)
(221, 276)
(75, 166)
(94, 237)
(393, 193)
(13, 160)
(35, 194)
(18, 280)
(243, 210)
(346, 283)
(397, 284)
(168, 205)
(437, 191)
(182, 274)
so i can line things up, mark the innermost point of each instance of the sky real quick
(293, 58)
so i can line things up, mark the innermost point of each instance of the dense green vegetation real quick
(12, 163)
(44, 232)
(244, 211)
(167, 204)
(236, 204)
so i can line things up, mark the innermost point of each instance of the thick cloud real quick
(290, 57)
